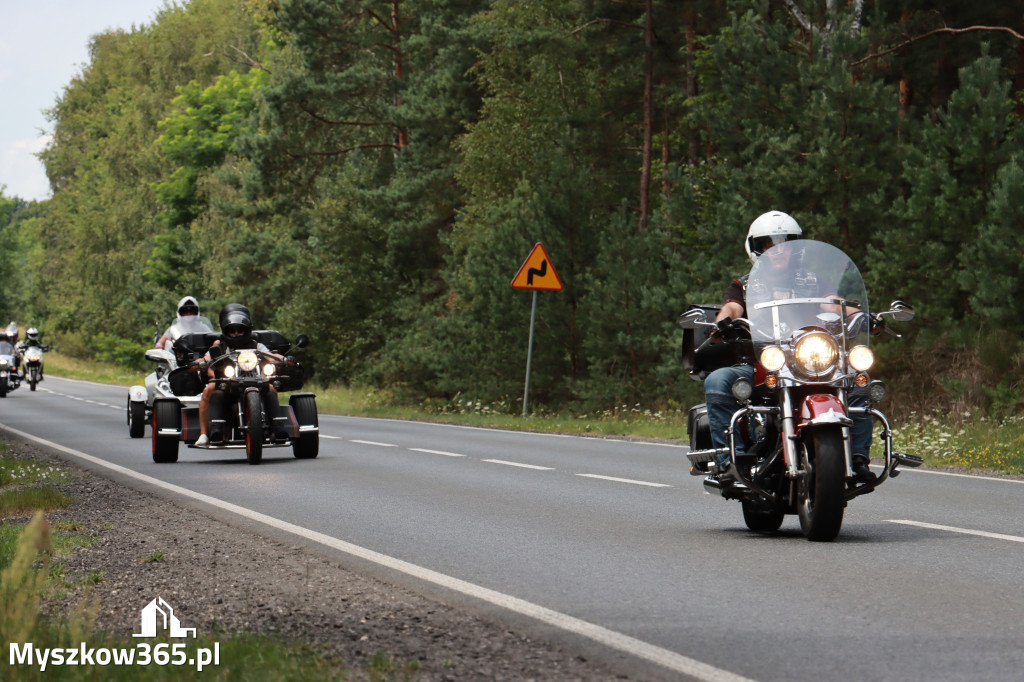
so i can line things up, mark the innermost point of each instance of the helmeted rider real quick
(188, 321)
(9, 345)
(767, 237)
(236, 333)
(31, 340)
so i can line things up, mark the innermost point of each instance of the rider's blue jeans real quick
(722, 405)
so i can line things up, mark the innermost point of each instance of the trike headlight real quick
(247, 360)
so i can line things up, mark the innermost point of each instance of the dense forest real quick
(374, 172)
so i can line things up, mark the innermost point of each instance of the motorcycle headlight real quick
(4, 362)
(33, 354)
(269, 369)
(773, 358)
(247, 360)
(816, 354)
(861, 358)
(230, 371)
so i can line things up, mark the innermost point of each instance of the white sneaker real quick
(202, 441)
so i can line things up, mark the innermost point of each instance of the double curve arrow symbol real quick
(543, 270)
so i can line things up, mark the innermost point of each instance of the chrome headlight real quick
(861, 358)
(247, 360)
(816, 354)
(230, 371)
(269, 369)
(742, 390)
(4, 362)
(877, 391)
(773, 358)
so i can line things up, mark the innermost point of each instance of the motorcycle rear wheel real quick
(165, 448)
(253, 427)
(306, 445)
(136, 417)
(820, 499)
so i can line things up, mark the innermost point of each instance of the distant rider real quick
(31, 341)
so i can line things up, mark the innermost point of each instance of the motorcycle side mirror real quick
(301, 341)
(692, 319)
(900, 311)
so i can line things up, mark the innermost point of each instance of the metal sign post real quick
(529, 354)
(536, 273)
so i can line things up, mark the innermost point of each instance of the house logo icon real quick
(159, 613)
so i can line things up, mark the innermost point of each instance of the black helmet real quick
(235, 323)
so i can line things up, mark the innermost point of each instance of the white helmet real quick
(770, 228)
(188, 306)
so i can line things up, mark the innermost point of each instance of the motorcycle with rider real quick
(790, 404)
(238, 373)
(31, 350)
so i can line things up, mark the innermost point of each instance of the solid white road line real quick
(964, 531)
(517, 464)
(437, 452)
(626, 480)
(615, 640)
(370, 442)
(951, 473)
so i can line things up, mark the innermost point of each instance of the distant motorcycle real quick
(810, 353)
(239, 405)
(33, 365)
(10, 379)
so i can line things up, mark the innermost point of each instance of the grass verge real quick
(32, 572)
(24, 583)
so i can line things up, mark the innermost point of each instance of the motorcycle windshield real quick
(189, 324)
(802, 285)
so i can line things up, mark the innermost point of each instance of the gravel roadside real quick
(221, 578)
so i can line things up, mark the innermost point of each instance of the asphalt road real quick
(613, 543)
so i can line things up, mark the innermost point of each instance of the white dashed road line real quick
(437, 452)
(963, 531)
(626, 480)
(370, 442)
(518, 464)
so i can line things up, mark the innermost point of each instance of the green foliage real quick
(118, 351)
(199, 134)
(374, 178)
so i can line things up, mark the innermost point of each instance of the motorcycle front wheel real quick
(821, 500)
(253, 427)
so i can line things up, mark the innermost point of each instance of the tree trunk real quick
(645, 167)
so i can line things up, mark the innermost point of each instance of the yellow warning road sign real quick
(537, 272)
